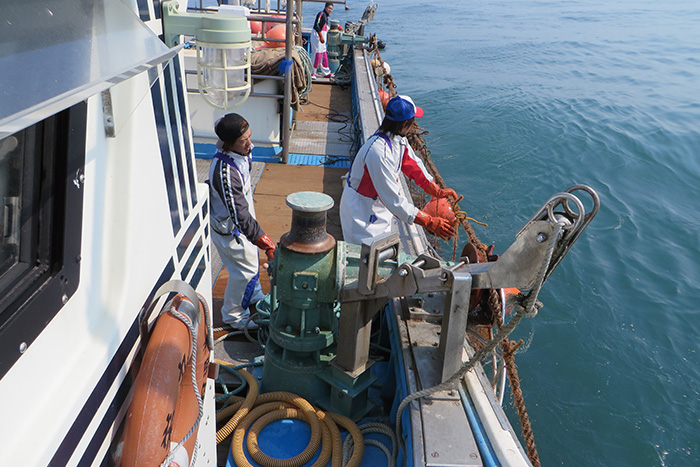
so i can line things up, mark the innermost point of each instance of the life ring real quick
(164, 407)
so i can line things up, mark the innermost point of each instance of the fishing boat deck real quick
(320, 152)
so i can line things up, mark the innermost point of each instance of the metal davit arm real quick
(520, 266)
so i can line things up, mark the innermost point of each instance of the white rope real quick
(200, 403)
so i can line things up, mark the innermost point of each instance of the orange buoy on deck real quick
(164, 407)
(278, 32)
(271, 25)
(255, 27)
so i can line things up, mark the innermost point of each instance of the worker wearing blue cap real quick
(373, 194)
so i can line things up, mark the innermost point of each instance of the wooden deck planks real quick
(280, 180)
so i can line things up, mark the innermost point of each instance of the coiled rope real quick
(258, 410)
(306, 65)
(374, 427)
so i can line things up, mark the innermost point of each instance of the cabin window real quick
(11, 165)
(40, 226)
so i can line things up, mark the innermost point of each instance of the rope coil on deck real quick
(258, 410)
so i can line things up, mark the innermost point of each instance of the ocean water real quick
(523, 99)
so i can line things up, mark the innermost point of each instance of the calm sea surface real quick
(523, 99)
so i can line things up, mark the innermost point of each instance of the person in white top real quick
(319, 36)
(373, 194)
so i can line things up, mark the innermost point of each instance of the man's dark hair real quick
(392, 127)
(327, 5)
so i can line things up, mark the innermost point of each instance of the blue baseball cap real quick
(402, 108)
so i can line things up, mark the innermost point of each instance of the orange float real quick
(271, 25)
(383, 97)
(278, 32)
(441, 207)
(164, 407)
(255, 27)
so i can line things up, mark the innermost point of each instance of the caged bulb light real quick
(222, 42)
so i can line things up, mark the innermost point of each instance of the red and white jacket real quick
(373, 194)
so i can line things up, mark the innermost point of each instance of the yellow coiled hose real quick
(260, 410)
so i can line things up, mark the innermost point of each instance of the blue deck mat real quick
(271, 156)
(327, 161)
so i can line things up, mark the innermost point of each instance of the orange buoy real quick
(272, 25)
(255, 27)
(383, 97)
(278, 32)
(441, 207)
(164, 407)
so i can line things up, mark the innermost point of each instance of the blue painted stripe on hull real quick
(144, 14)
(175, 133)
(190, 261)
(188, 237)
(96, 399)
(107, 422)
(401, 386)
(488, 455)
(156, 9)
(189, 156)
(164, 149)
(199, 273)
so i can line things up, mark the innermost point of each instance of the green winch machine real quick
(338, 45)
(325, 293)
(307, 278)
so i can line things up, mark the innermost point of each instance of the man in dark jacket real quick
(235, 232)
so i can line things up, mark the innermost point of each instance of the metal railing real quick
(264, 12)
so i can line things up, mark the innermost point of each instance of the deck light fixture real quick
(222, 42)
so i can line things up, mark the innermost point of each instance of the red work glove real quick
(437, 192)
(437, 225)
(266, 243)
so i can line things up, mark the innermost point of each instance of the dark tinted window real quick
(11, 165)
(41, 222)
